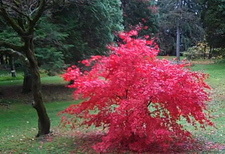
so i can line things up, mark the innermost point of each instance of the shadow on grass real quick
(51, 92)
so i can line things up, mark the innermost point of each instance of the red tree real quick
(136, 97)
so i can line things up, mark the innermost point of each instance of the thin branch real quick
(17, 11)
(35, 3)
(14, 52)
(16, 3)
(11, 21)
(37, 16)
(33, 11)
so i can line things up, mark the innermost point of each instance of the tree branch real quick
(14, 52)
(17, 10)
(37, 16)
(11, 46)
(10, 20)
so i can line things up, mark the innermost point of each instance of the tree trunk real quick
(12, 66)
(7, 59)
(178, 34)
(178, 42)
(43, 119)
(27, 80)
(2, 59)
(210, 52)
(1, 92)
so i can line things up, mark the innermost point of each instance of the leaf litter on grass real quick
(84, 140)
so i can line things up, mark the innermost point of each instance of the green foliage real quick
(90, 25)
(50, 43)
(201, 50)
(51, 59)
(81, 29)
(188, 18)
(10, 36)
(219, 53)
(142, 12)
(213, 19)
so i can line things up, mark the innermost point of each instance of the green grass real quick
(18, 124)
(216, 106)
(44, 80)
(52, 80)
(7, 79)
(216, 71)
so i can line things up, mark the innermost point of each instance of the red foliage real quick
(138, 98)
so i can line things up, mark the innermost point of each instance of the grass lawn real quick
(19, 126)
(217, 105)
(45, 80)
(18, 123)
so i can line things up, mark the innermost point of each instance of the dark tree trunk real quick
(24, 26)
(43, 119)
(27, 81)
(7, 59)
(2, 59)
(12, 66)
(1, 92)
(210, 52)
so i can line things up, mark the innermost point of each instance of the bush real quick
(137, 98)
(201, 51)
(219, 52)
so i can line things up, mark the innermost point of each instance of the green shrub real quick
(201, 50)
(219, 53)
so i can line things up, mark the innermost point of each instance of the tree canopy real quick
(137, 98)
(213, 19)
(187, 14)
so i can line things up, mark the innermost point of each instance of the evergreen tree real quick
(182, 14)
(213, 18)
(142, 12)
(50, 42)
(91, 25)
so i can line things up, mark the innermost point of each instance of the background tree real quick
(213, 17)
(23, 16)
(8, 58)
(46, 40)
(90, 25)
(182, 15)
(61, 34)
(142, 12)
(50, 43)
